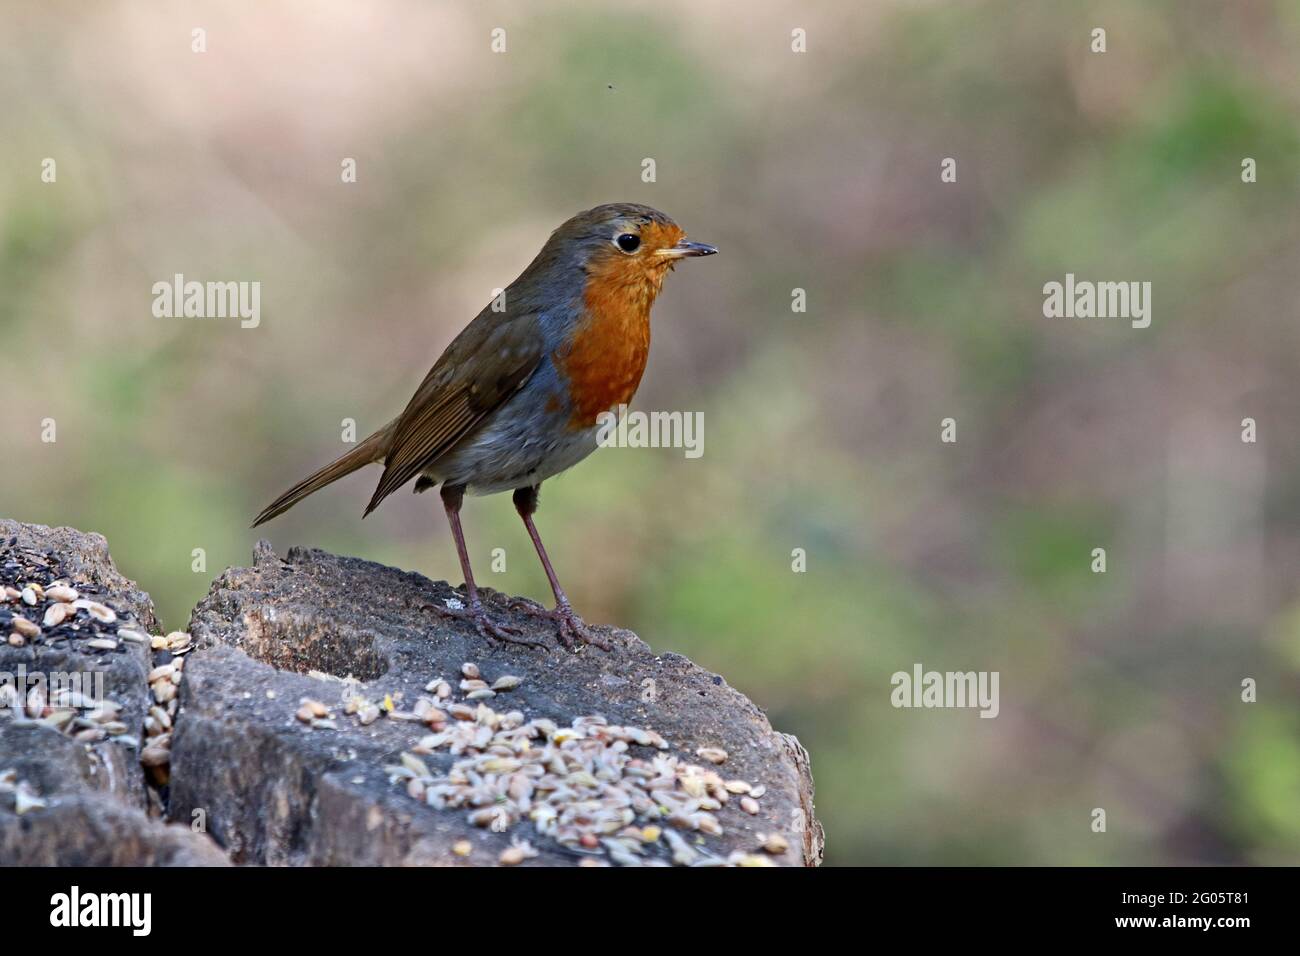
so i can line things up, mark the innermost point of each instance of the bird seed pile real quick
(605, 793)
(39, 605)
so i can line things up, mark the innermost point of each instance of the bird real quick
(518, 395)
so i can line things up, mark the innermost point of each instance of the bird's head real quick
(625, 249)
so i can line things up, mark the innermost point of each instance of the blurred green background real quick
(818, 171)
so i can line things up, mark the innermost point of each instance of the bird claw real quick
(569, 624)
(483, 623)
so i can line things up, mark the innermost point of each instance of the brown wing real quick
(487, 363)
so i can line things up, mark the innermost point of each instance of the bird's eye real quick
(628, 242)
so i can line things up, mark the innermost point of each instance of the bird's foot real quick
(483, 623)
(569, 624)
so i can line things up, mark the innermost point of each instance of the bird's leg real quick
(452, 496)
(570, 625)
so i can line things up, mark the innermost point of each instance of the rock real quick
(284, 788)
(98, 831)
(300, 736)
(61, 656)
(82, 802)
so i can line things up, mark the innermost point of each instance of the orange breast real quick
(611, 343)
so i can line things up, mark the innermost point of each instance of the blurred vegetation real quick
(818, 171)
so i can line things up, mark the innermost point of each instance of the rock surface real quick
(310, 728)
(73, 772)
(316, 627)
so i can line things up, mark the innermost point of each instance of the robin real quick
(516, 396)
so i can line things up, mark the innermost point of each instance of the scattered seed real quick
(749, 805)
(715, 755)
(161, 717)
(100, 612)
(516, 853)
(414, 764)
(160, 673)
(55, 615)
(470, 671)
(100, 643)
(506, 682)
(155, 756)
(462, 848)
(25, 627)
(61, 592)
(776, 844)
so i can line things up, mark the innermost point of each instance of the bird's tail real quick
(373, 449)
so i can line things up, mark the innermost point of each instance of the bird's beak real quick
(684, 250)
